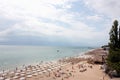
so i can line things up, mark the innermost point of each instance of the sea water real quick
(14, 56)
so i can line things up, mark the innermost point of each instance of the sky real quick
(57, 22)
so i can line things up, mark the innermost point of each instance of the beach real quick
(72, 68)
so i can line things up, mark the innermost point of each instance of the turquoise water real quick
(13, 56)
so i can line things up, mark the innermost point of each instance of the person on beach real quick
(79, 66)
(49, 74)
(72, 67)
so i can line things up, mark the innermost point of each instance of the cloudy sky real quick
(57, 22)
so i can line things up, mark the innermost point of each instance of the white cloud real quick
(17, 9)
(94, 18)
(107, 7)
(30, 16)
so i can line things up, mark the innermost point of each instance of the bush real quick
(113, 60)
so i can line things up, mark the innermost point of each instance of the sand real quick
(73, 72)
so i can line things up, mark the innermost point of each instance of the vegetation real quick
(105, 47)
(113, 60)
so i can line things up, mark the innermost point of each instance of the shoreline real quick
(12, 67)
(82, 54)
(22, 55)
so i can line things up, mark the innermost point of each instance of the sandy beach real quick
(76, 68)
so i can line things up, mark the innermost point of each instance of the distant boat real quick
(58, 50)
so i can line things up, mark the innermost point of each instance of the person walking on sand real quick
(72, 68)
(79, 66)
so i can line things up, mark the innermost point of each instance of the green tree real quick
(114, 36)
(119, 38)
(113, 60)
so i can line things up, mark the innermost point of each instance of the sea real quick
(12, 56)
